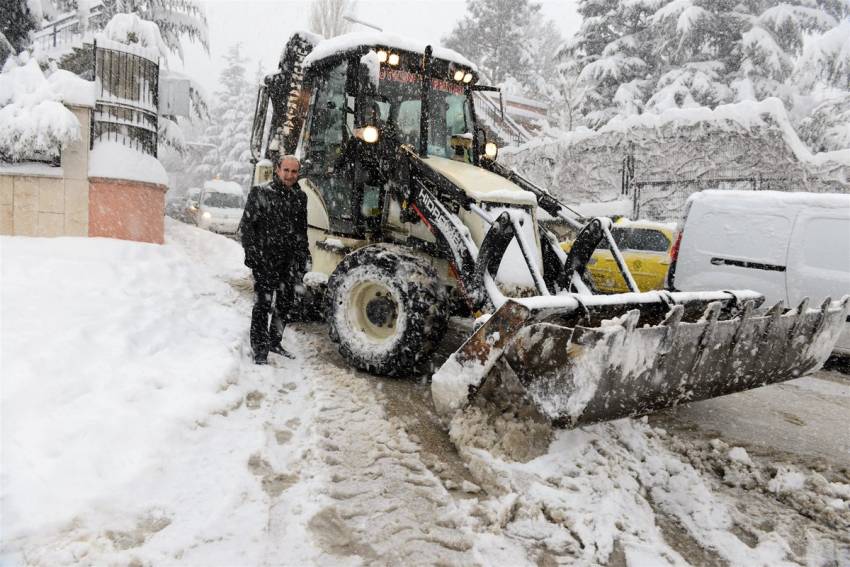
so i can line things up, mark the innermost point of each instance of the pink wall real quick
(130, 210)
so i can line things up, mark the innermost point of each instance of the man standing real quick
(274, 236)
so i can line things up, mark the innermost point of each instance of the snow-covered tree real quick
(493, 34)
(613, 55)
(175, 19)
(649, 55)
(326, 17)
(225, 151)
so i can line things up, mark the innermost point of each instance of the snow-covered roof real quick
(774, 199)
(221, 186)
(347, 42)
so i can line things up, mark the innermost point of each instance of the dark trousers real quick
(273, 295)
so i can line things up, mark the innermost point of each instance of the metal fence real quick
(68, 29)
(663, 199)
(127, 99)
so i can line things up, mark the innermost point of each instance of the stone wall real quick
(39, 200)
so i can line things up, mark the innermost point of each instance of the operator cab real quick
(360, 102)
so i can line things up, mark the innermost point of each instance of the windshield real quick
(399, 101)
(223, 200)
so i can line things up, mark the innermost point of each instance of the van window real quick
(223, 200)
(742, 235)
(822, 245)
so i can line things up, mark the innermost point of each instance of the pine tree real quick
(175, 18)
(226, 139)
(613, 55)
(17, 20)
(326, 17)
(649, 55)
(493, 35)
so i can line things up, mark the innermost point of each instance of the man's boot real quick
(278, 349)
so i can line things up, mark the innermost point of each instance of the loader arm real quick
(429, 195)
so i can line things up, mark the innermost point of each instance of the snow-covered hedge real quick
(34, 122)
(748, 139)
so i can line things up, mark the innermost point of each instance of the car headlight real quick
(206, 215)
(491, 150)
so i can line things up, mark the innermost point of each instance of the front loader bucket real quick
(637, 363)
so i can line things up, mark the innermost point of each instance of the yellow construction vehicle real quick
(411, 218)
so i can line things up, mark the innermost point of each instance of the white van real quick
(218, 206)
(786, 246)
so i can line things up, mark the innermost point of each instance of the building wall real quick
(130, 210)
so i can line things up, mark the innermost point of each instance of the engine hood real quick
(480, 184)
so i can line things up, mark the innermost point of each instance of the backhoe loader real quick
(412, 218)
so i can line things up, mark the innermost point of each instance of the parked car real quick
(786, 246)
(644, 245)
(217, 207)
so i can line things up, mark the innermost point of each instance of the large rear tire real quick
(387, 309)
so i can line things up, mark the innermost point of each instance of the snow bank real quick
(140, 347)
(116, 161)
(685, 150)
(33, 119)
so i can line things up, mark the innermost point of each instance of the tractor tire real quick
(386, 308)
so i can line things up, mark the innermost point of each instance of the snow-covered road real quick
(176, 450)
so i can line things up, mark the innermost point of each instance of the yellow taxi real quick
(644, 245)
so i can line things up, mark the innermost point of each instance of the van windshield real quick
(223, 200)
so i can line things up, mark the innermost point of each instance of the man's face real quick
(287, 171)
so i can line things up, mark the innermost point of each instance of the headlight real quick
(491, 150)
(467, 77)
(458, 76)
(370, 134)
(206, 215)
(382, 56)
(393, 59)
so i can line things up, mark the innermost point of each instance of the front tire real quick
(387, 309)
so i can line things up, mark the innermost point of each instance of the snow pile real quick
(689, 149)
(33, 120)
(64, 402)
(116, 161)
(130, 30)
(136, 430)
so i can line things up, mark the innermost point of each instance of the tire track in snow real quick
(384, 505)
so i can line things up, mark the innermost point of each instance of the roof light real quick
(382, 56)
(458, 76)
(467, 77)
(393, 59)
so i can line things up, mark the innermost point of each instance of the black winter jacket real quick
(274, 229)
